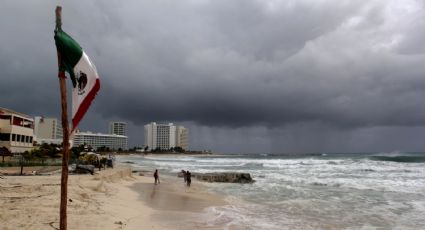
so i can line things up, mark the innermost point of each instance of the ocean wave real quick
(253, 165)
(367, 170)
(400, 159)
(297, 193)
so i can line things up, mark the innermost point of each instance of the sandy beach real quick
(110, 199)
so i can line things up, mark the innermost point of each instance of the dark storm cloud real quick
(230, 66)
(248, 63)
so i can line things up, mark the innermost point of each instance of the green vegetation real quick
(172, 149)
(44, 155)
(104, 149)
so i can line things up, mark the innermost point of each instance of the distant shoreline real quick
(162, 153)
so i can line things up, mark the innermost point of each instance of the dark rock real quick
(226, 177)
(140, 171)
(84, 169)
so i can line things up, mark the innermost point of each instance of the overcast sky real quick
(242, 75)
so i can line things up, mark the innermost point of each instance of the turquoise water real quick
(311, 191)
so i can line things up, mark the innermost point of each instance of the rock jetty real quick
(225, 177)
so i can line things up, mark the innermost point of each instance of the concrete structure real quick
(165, 136)
(96, 140)
(118, 128)
(161, 136)
(16, 131)
(47, 130)
(182, 137)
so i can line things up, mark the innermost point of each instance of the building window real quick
(13, 137)
(18, 121)
(18, 139)
(6, 117)
(4, 136)
(27, 139)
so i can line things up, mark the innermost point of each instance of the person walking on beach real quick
(188, 178)
(184, 176)
(156, 176)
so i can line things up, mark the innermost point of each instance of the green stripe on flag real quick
(70, 52)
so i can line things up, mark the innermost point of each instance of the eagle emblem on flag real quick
(82, 80)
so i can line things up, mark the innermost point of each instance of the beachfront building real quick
(165, 136)
(118, 128)
(96, 140)
(47, 130)
(182, 137)
(16, 131)
(160, 135)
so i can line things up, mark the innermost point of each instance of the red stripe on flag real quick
(85, 105)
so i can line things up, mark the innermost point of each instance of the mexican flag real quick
(83, 73)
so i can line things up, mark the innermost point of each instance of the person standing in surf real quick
(156, 176)
(188, 178)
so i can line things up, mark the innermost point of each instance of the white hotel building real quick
(165, 136)
(96, 140)
(16, 131)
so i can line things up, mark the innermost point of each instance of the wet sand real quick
(177, 206)
(174, 196)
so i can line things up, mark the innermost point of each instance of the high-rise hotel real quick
(118, 128)
(166, 136)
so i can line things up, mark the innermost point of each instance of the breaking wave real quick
(401, 159)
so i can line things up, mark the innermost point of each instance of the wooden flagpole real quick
(65, 127)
